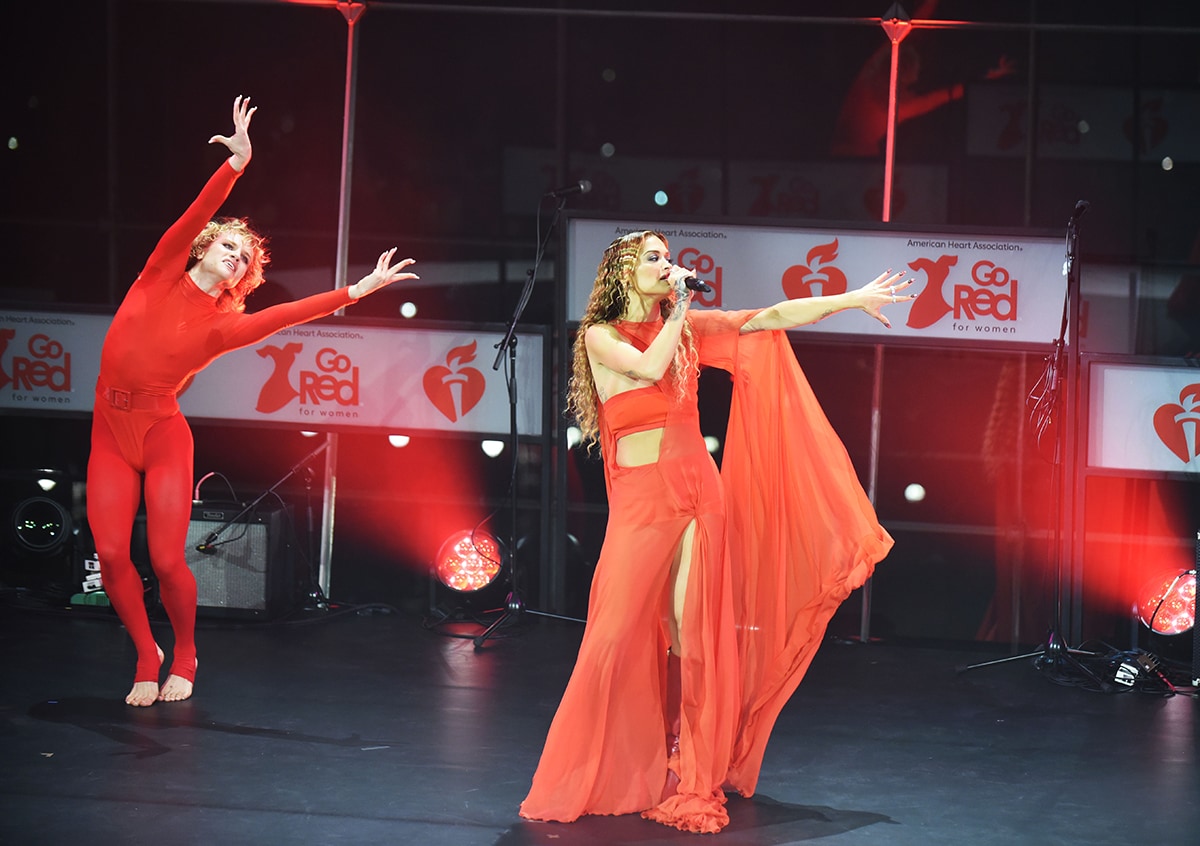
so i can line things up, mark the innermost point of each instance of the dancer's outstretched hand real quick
(239, 142)
(385, 273)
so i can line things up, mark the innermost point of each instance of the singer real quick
(712, 591)
(185, 308)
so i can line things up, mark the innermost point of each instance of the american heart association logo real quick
(454, 389)
(1178, 424)
(804, 280)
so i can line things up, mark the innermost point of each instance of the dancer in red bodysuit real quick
(184, 309)
(711, 592)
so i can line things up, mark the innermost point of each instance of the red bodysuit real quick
(783, 534)
(165, 331)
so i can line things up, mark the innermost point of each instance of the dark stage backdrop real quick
(760, 110)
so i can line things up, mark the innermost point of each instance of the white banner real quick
(979, 289)
(323, 374)
(1144, 418)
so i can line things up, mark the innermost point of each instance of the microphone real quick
(696, 285)
(1081, 206)
(206, 545)
(580, 187)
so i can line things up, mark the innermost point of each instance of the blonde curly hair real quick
(234, 299)
(609, 301)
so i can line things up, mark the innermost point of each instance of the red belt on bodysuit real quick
(135, 401)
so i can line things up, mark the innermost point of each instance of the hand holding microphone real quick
(691, 282)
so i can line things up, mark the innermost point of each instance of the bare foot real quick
(176, 688)
(145, 693)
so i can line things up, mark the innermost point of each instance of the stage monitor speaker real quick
(245, 569)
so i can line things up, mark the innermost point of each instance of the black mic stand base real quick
(1053, 654)
(514, 608)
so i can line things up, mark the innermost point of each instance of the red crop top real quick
(636, 411)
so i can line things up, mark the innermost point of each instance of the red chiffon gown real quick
(783, 534)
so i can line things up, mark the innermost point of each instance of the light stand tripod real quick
(1048, 409)
(514, 605)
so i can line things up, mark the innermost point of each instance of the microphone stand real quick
(514, 605)
(1054, 652)
(209, 542)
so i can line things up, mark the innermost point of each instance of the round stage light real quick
(1167, 603)
(40, 525)
(469, 561)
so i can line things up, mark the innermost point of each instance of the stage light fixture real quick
(468, 561)
(40, 525)
(1167, 603)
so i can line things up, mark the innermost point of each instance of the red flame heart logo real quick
(454, 389)
(803, 280)
(1178, 424)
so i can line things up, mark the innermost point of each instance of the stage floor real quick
(362, 726)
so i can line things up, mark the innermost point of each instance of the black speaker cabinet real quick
(243, 564)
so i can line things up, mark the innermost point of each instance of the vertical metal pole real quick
(1071, 422)
(1196, 623)
(1017, 534)
(1032, 105)
(897, 29)
(553, 580)
(111, 159)
(890, 149)
(351, 12)
(864, 631)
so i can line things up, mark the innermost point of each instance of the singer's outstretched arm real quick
(871, 298)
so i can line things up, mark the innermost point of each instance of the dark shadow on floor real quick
(128, 726)
(757, 821)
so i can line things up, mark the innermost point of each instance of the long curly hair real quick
(234, 299)
(609, 301)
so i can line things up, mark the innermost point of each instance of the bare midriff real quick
(639, 448)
